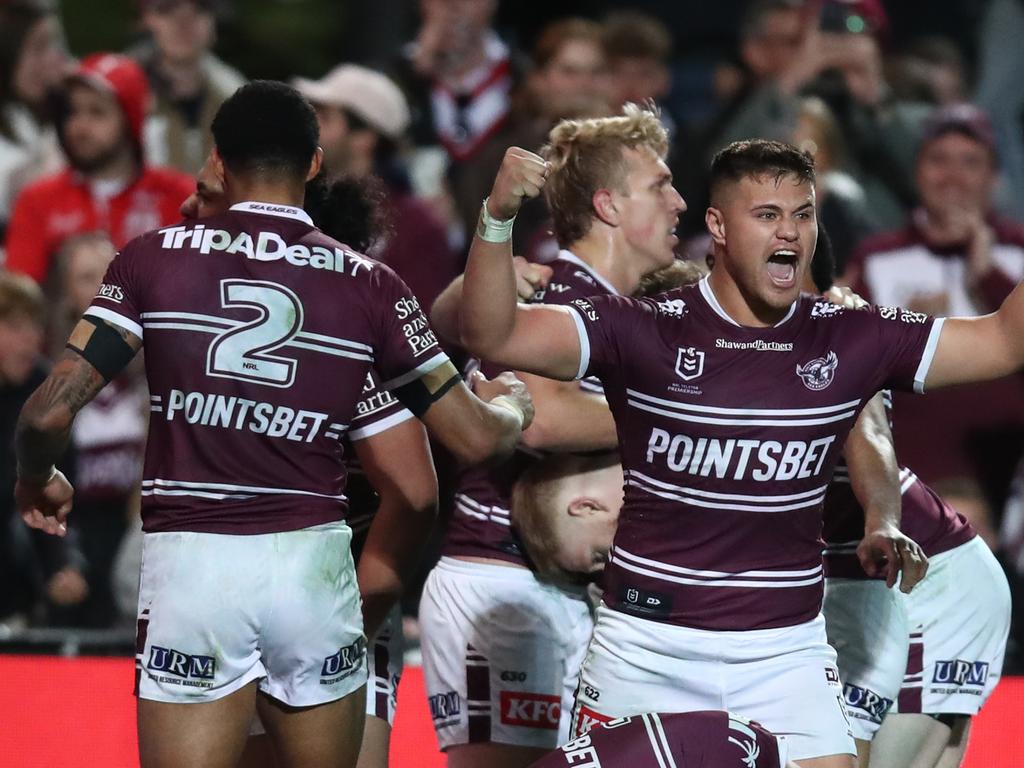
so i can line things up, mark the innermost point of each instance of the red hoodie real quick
(56, 207)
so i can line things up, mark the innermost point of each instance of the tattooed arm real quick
(43, 494)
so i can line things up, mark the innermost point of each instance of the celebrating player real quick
(260, 332)
(732, 400)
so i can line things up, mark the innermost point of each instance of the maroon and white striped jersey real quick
(926, 518)
(728, 437)
(480, 525)
(259, 331)
(711, 739)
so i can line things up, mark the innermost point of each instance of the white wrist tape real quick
(493, 230)
(506, 402)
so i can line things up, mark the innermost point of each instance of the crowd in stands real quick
(919, 146)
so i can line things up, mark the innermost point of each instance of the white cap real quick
(371, 96)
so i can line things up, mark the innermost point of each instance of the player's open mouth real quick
(782, 268)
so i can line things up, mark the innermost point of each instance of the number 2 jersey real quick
(259, 332)
(728, 437)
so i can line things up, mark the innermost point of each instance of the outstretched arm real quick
(42, 493)
(980, 348)
(874, 476)
(538, 339)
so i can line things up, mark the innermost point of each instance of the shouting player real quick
(732, 401)
(501, 649)
(260, 332)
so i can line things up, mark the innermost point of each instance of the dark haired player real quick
(260, 332)
(732, 401)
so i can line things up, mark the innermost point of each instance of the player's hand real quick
(522, 175)
(530, 277)
(45, 505)
(67, 587)
(508, 385)
(888, 552)
(845, 297)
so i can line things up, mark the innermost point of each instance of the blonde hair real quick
(677, 274)
(21, 298)
(586, 155)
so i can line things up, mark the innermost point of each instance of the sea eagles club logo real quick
(818, 373)
(689, 363)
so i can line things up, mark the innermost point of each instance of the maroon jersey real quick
(480, 525)
(926, 518)
(259, 332)
(712, 739)
(377, 412)
(728, 437)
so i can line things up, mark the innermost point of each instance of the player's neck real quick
(744, 310)
(244, 190)
(602, 254)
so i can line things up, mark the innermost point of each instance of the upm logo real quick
(959, 672)
(181, 664)
(530, 710)
(588, 718)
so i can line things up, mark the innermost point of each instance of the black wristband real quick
(418, 395)
(105, 350)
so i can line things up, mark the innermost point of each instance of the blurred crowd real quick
(918, 141)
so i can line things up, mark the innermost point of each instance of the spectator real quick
(34, 567)
(189, 83)
(569, 75)
(363, 123)
(32, 62)
(953, 257)
(931, 69)
(108, 186)
(109, 438)
(639, 49)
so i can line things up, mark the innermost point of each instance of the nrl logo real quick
(819, 372)
(689, 363)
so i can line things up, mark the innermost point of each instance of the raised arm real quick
(494, 327)
(980, 348)
(97, 351)
(874, 476)
(398, 464)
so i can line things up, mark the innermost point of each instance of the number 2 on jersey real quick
(244, 352)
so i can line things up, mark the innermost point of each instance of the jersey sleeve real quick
(377, 412)
(119, 300)
(608, 327)
(907, 342)
(405, 347)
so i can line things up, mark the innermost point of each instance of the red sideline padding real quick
(79, 713)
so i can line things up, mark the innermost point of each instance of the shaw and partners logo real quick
(183, 665)
(958, 672)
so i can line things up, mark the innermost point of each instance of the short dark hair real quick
(823, 262)
(755, 12)
(349, 209)
(266, 127)
(757, 158)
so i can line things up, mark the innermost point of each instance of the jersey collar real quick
(712, 300)
(572, 258)
(273, 209)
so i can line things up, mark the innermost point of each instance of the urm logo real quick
(958, 672)
(181, 664)
(345, 660)
(866, 701)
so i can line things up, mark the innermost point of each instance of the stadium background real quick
(65, 694)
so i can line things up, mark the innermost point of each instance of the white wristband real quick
(506, 402)
(493, 230)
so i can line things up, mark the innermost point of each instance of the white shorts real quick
(785, 679)
(866, 623)
(959, 619)
(501, 654)
(384, 665)
(218, 611)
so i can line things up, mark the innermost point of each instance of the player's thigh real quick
(258, 753)
(376, 744)
(493, 756)
(321, 736)
(209, 734)
(829, 761)
(909, 741)
(866, 623)
(956, 747)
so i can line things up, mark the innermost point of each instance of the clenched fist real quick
(506, 385)
(522, 175)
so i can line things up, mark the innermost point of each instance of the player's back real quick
(259, 331)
